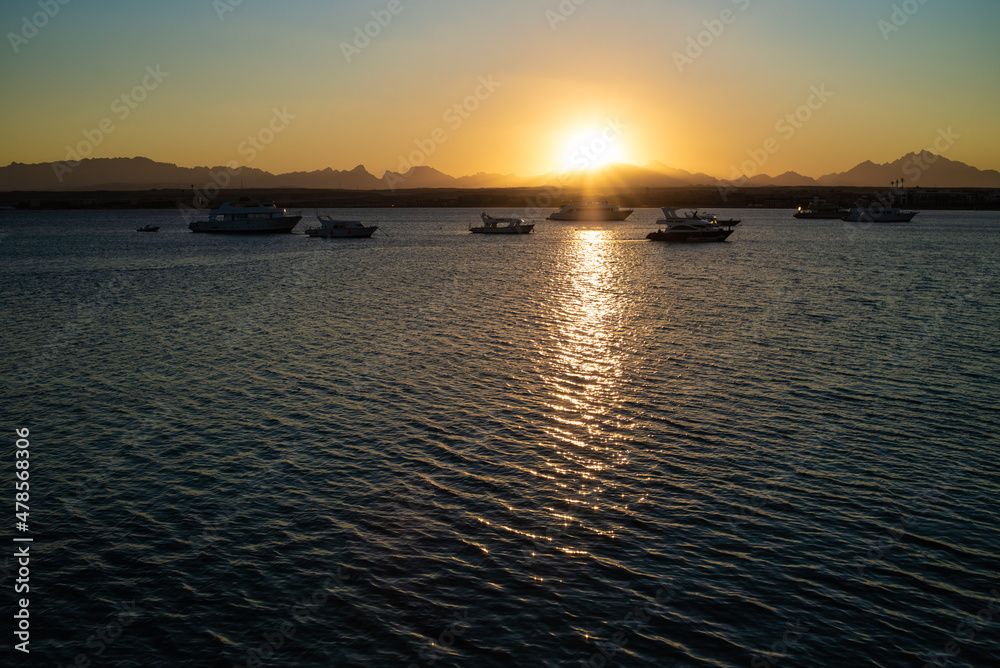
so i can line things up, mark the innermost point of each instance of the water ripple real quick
(574, 447)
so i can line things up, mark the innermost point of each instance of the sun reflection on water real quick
(584, 380)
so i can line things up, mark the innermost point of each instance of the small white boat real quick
(691, 228)
(149, 228)
(493, 225)
(863, 212)
(591, 211)
(246, 217)
(331, 228)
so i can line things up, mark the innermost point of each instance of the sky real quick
(725, 87)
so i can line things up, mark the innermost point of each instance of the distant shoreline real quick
(771, 197)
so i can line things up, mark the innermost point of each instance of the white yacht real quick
(591, 211)
(691, 228)
(330, 228)
(246, 217)
(493, 225)
(863, 212)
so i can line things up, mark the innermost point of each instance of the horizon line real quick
(585, 170)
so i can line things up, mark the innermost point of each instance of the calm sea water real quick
(575, 448)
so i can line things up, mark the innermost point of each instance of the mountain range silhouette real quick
(924, 169)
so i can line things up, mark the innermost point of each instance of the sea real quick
(433, 448)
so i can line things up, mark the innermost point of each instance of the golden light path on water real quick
(583, 386)
(515, 444)
(579, 366)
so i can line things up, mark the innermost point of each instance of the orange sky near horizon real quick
(723, 87)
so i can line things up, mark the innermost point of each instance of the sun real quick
(593, 147)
